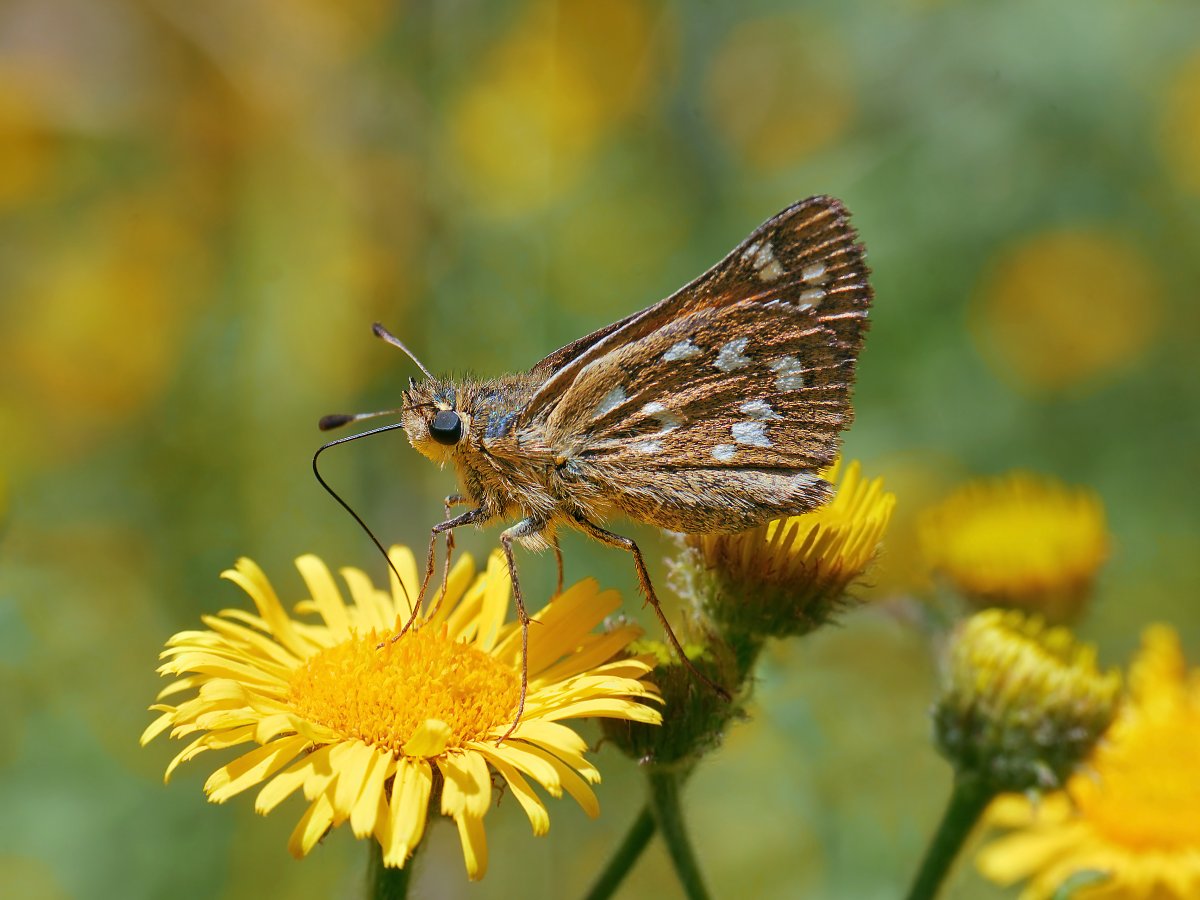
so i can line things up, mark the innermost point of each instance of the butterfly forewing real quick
(806, 256)
(691, 395)
(714, 409)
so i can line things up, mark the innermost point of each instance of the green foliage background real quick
(204, 206)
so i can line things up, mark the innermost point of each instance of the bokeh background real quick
(204, 206)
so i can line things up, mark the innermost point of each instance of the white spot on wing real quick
(811, 296)
(753, 434)
(762, 257)
(814, 273)
(666, 418)
(789, 373)
(731, 358)
(771, 271)
(682, 350)
(611, 401)
(724, 452)
(760, 410)
(647, 447)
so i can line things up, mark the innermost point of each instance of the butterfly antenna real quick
(337, 420)
(346, 506)
(385, 335)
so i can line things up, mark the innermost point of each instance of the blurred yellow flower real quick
(1066, 306)
(773, 102)
(1023, 704)
(1133, 817)
(788, 576)
(527, 125)
(94, 328)
(28, 146)
(1180, 131)
(1019, 540)
(374, 731)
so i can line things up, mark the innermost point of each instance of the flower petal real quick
(317, 819)
(495, 602)
(467, 789)
(406, 816)
(325, 593)
(352, 768)
(369, 803)
(250, 578)
(252, 768)
(474, 845)
(429, 739)
(539, 819)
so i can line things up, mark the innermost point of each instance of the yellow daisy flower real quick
(787, 577)
(1133, 819)
(1019, 540)
(377, 732)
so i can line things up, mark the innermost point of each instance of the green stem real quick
(636, 840)
(967, 803)
(664, 801)
(385, 883)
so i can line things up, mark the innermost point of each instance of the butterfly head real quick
(433, 421)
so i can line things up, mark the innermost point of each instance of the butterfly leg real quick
(449, 503)
(471, 517)
(608, 538)
(559, 561)
(525, 528)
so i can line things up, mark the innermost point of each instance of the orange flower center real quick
(382, 695)
(1146, 792)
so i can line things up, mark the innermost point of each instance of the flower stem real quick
(636, 840)
(968, 800)
(664, 801)
(384, 883)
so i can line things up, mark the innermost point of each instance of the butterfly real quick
(712, 411)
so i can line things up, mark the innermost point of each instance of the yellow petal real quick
(460, 579)
(410, 804)
(289, 781)
(325, 593)
(428, 740)
(404, 594)
(372, 607)
(352, 773)
(250, 578)
(495, 602)
(574, 785)
(474, 844)
(312, 826)
(539, 819)
(467, 789)
(252, 768)
(367, 806)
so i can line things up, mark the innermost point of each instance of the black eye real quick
(446, 427)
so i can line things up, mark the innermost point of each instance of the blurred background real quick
(203, 207)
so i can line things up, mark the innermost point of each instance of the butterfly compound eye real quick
(446, 427)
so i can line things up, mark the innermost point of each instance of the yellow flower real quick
(1023, 704)
(1067, 307)
(1019, 540)
(377, 732)
(1134, 817)
(788, 576)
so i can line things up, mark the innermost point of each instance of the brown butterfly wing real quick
(564, 355)
(714, 409)
(808, 247)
